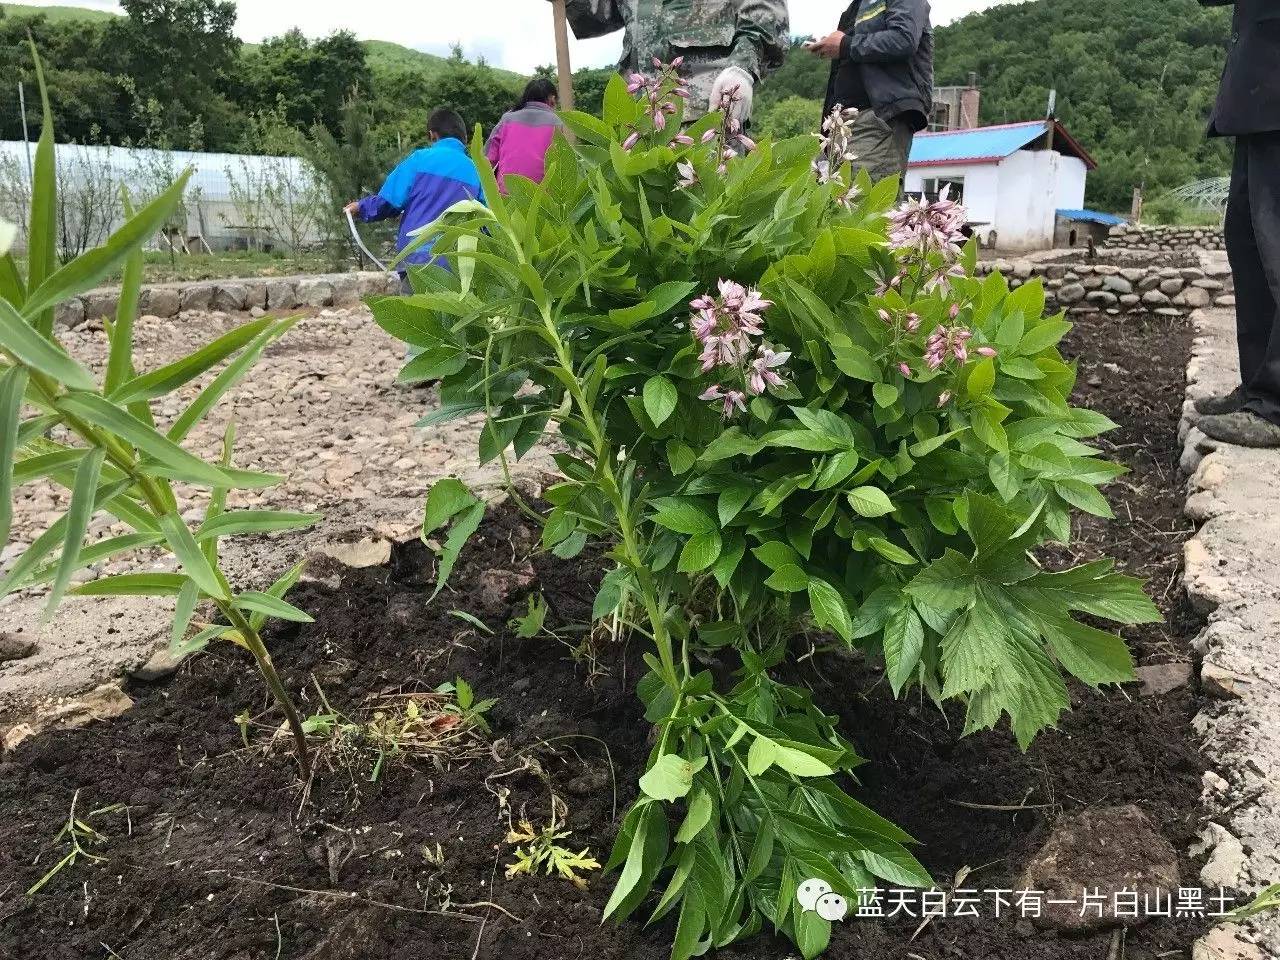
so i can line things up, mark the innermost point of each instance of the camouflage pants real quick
(881, 148)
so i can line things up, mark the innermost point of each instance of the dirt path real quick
(322, 409)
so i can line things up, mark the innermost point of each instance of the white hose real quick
(355, 235)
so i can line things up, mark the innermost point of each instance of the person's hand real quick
(828, 47)
(738, 85)
(352, 208)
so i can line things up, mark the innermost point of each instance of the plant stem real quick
(268, 670)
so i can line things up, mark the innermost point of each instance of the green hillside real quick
(57, 14)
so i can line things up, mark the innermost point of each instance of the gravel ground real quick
(322, 409)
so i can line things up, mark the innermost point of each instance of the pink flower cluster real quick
(953, 341)
(661, 91)
(726, 326)
(923, 226)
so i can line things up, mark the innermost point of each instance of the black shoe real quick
(1228, 403)
(1243, 428)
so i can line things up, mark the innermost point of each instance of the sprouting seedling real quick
(465, 706)
(473, 620)
(78, 835)
(541, 849)
(534, 620)
(1266, 901)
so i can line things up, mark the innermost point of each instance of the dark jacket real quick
(892, 42)
(1249, 98)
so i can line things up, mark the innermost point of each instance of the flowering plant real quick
(792, 411)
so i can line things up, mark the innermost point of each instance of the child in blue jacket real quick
(426, 184)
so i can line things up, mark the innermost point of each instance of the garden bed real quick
(218, 857)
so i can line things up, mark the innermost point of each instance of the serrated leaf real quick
(903, 644)
(829, 609)
(1084, 497)
(447, 498)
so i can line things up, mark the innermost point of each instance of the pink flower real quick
(954, 311)
(762, 375)
(747, 142)
(884, 315)
(657, 63)
(683, 139)
(659, 120)
(988, 351)
(734, 399)
(631, 141)
(682, 92)
(710, 135)
(712, 392)
(904, 370)
(945, 398)
(921, 226)
(913, 323)
(677, 63)
(688, 176)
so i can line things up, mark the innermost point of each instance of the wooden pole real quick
(562, 54)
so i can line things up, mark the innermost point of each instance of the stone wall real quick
(256, 295)
(1130, 237)
(1079, 287)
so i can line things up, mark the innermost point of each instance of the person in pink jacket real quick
(519, 143)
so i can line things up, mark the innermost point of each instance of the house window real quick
(933, 186)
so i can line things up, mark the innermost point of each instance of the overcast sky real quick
(515, 34)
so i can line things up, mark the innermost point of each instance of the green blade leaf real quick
(226, 379)
(133, 585)
(195, 564)
(42, 253)
(255, 521)
(88, 270)
(34, 350)
(102, 413)
(185, 609)
(168, 378)
(120, 357)
(265, 603)
(279, 589)
(78, 516)
(870, 502)
(94, 553)
(13, 386)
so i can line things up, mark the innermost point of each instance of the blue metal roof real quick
(989, 144)
(1092, 216)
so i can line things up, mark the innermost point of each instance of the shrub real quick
(787, 406)
(97, 437)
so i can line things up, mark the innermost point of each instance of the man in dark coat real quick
(882, 65)
(1248, 109)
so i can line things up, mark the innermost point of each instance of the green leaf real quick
(803, 440)
(987, 428)
(466, 524)
(903, 644)
(853, 361)
(227, 378)
(447, 498)
(120, 355)
(870, 502)
(103, 414)
(683, 515)
(671, 777)
(42, 253)
(95, 553)
(660, 399)
(133, 585)
(813, 934)
(775, 554)
(829, 609)
(1084, 496)
(1090, 655)
(798, 763)
(788, 579)
(1043, 336)
(43, 355)
(194, 563)
(732, 443)
(170, 377)
(433, 363)
(700, 552)
(700, 809)
(1004, 476)
(730, 503)
(982, 378)
(287, 581)
(946, 584)
(891, 551)
(238, 522)
(680, 457)
(885, 394)
(89, 269)
(265, 603)
(77, 526)
(1021, 368)
(761, 756)
(836, 470)
(13, 385)
(185, 609)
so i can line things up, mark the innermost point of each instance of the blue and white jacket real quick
(425, 184)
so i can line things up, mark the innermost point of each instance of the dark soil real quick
(218, 858)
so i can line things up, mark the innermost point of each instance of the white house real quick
(1013, 178)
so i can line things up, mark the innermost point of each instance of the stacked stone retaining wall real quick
(254, 295)
(1098, 287)
(1165, 239)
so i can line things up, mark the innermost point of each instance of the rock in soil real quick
(1110, 849)
(1224, 944)
(1226, 864)
(357, 554)
(160, 666)
(100, 703)
(14, 647)
(1163, 678)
